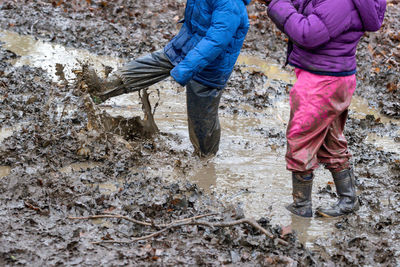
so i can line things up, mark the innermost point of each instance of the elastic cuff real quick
(174, 75)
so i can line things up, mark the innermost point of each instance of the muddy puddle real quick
(272, 71)
(36, 53)
(248, 169)
(4, 171)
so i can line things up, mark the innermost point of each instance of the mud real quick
(55, 161)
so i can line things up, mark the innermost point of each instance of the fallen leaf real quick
(391, 87)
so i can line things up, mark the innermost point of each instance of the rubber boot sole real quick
(306, 214)
(327, 215)
(322, 214)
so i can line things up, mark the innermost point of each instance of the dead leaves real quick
(392, 87)
(57, 3)
(79, 6)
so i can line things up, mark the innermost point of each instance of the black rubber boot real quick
(346, 189)
(302, 187)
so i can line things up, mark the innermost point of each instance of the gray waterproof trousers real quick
(202, 101)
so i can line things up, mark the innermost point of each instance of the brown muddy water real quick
(4, 171)
(37, 53)
(246, 169)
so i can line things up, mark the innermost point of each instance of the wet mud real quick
(62, 156)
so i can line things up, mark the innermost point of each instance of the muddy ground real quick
(39, 193)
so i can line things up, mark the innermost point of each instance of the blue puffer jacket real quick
(209, 42)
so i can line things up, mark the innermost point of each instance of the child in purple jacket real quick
(323, 38)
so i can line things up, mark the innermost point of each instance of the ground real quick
(39, 193)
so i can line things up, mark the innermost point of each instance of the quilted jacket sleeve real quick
(371, 12)
(328, 20)
(225, 22)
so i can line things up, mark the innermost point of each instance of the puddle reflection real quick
(361, 108)
(272, 71)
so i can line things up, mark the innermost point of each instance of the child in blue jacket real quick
(201, 57)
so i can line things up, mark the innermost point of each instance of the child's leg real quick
(333, 152)
(335, 155)
(141, 73)
(146, 70)
(315, 102)
(202, 109)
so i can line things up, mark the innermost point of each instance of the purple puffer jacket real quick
(325, 33)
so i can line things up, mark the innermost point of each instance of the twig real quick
(179, 223)
(117, 216)
(35, 208)
(188, 219)
(29, 205)
(241, 221)
(134, 239)
(111, 216)
(148, 236)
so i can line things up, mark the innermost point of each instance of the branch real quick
(132, 240)
(117, 216)
(241, 221)
(179, 223)
(111, 216)
(191, 219)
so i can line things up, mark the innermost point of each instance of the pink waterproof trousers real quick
(318, 112)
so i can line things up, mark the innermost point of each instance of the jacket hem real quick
(327, 73)
(207, 83)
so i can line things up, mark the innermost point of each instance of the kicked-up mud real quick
(57, 161)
